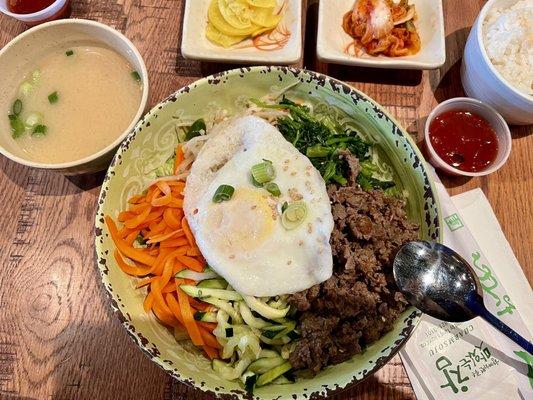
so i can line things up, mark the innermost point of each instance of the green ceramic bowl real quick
(153, 141)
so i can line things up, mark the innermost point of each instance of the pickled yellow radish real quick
(217, 37)
(215, 17)
(232, 21)
(265, 17)
(236, 13)
(261, 31)
(262, 3)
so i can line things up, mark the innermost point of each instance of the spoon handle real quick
(482, 311)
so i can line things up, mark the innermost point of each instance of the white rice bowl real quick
(508, 40)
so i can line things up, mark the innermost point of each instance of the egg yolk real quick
(242, 223)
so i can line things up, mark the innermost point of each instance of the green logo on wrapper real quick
(454, 222)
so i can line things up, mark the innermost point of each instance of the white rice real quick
(508, 38)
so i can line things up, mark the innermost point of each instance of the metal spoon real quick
(439, 282)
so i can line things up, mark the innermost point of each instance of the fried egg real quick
(243, 238)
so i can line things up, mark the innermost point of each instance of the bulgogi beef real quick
(360, 302)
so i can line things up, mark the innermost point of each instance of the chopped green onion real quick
(25, 88)
(273, 189)
(36, 76)
(33, 119)
(255, 183)
(17, 126)
(17, 107)
(317, 151)
(263, 172)
(53, 98)
(284, 207)
(223, 193)
(135, 75)
(294, 215)
(196, 129)
(40, 130)
(69, 53)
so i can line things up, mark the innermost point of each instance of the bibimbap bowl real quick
(150, 145)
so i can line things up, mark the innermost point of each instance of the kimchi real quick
(383, 27)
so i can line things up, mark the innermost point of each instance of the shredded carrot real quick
(145, 281)
(188, 319)
(211, 352)
(169, 248)
(188, 233)
(191, 263)
(179, 158)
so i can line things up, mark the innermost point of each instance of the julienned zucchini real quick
(264, 365)
(264, 309)
(196, 276)
(205, 316)
(201, 293)
(218, 283)
(274, 373)
(232, 373)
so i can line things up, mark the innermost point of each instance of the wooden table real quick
(58, 338)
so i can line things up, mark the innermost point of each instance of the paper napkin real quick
(472, 360)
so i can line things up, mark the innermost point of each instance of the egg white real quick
(243, 239)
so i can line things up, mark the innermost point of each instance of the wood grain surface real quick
(58, 338)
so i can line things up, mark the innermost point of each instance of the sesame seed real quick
(293, 173)
(289, 262)
(309, 228)
(285, 168)
(232, 256)
(301, 243)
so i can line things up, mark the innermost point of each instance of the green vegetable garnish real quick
(367, 180)
(196, 129)
(53, 98)
(25, 88)
(17, 126)
(322, 139)
(284, 206)
(33, 119)
(69, 53)
(17, 107)
(294, 215)
(39, 130)
(272, 188)
(135, 75)
(263, 172)
(223, 193)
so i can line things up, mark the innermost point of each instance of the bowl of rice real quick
(498, 59)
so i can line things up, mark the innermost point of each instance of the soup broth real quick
(83, 97)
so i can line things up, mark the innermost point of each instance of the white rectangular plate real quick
(195, 45)
(332, 40)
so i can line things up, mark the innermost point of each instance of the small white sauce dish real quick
(34, 43)
(196, 46)
(55, 10)
(332, 41)
(485, 111)
(482, 81)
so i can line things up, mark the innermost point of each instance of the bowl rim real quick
(35, 14)
(414, 315)
(447, 167)
(142, 105)
(482, 16)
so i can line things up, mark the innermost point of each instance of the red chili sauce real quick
(28, 6)
(464, 140)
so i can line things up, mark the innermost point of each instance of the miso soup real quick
(73, 102)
